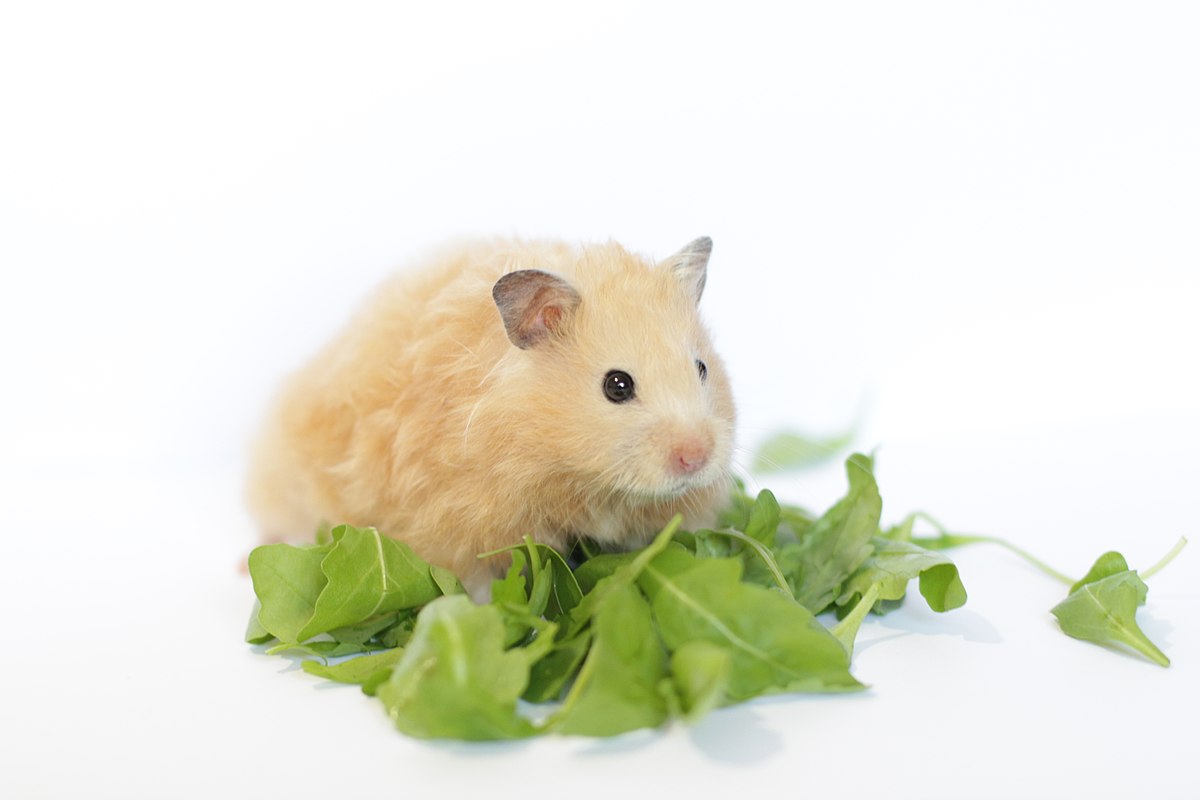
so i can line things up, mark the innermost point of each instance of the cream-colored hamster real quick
(505, 389)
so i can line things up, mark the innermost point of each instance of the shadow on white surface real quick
(737, 736)
(965, 623)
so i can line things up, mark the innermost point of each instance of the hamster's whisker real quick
(465, 347)
(490, 373)
(471, 416)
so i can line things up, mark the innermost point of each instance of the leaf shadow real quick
(622, 743)
(1159, 630)
(960, 622)
(735, 735)
(862, 645)
(475, 749)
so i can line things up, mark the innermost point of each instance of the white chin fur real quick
(673, 490)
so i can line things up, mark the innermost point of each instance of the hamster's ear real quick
(534, 304)
(690, 265)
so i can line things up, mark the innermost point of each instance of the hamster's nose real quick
(689, 455)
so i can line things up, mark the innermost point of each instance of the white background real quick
(971, 229)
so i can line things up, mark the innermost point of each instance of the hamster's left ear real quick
(534, 305)
(690, 265)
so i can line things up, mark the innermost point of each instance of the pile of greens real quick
(601, 643)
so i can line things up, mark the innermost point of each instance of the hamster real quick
(505, 389)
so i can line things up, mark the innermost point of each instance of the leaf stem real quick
(535, 561)
(846, 630)
(1167, 559)
(764, 554)
(945, 540)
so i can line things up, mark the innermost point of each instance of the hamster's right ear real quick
(691, 265)
(534, 304)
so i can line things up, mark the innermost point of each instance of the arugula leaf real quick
(561, 586)
(368, 629)
(446, 580)
(626, 573)
(788, 450)
(255, 632)
(367, 671)
(758, 560)
(846, 631)
(1102, 606)
(764, 519)
(367, 574)
(1110, 563)
(894, 563)
(774, 643)
(455, 678)
(564, 592)
(839, 542)
(617, 689)
(884, 578)
(511, 588)
(551, 674)
(599, 567)
(309, 590)
(700, 673)
(399, 634)
(287, 581)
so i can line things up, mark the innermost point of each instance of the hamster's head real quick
(619, 381)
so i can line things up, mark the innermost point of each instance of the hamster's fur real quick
(466, 407)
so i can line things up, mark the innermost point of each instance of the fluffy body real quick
(424, 420)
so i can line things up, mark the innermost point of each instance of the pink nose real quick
(689, 456)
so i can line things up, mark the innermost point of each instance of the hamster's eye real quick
(702, 368)
(618, 386)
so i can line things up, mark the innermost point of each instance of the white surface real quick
(974, 229)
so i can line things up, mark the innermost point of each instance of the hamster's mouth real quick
(673, 490)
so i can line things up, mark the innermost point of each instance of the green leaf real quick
(511, 588)
(758, 560)
(399, 634)
(367, 574)
(617, 689)
(713, 544)
(839, 542)
(599, 567)
(894, 563)
(255, 632)
(774, 643)
(1110, 563)
(550, 675)
(627, 571)
(287, 581)
(456, 680)
(561, 588)
(368, 629)
(788, 450)
(1103, 611)
(942, 588)
(764, 519)
(446, 580)
(902, 531)
(700, 671)
(846, 631)
(368, 670)
(565, 592)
